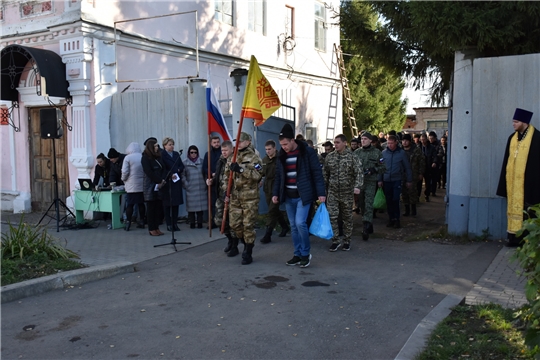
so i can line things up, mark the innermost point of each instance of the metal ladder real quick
(346, 90)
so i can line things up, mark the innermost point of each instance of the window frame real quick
(253, 26)
(320, 27)
(219, 13)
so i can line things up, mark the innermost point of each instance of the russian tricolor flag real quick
(216, 122)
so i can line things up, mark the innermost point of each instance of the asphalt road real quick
(200, 304)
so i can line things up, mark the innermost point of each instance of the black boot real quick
(246, 255)
(127, 225)
(267, 236)
(413, 209)
(285, 228)
(234, 248)
(140, 224)
(370, 228)
(407, 210)
(365, 231)
(229, 244)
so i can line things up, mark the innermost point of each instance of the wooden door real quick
(42, 165)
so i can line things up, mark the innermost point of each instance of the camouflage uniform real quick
(244, 206)
(418, 166)
(342, 173)
(223, 180)
(274, 214)
(370, 159)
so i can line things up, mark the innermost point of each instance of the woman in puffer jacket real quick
(132, 176)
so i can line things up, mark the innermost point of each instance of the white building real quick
(123, 71)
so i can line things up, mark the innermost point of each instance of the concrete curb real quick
(417, 341)
(59, 281)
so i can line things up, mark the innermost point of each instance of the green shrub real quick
(529, 259)
(26, 240)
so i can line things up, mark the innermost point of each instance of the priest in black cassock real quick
(520, 174)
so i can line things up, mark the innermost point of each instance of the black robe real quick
(532, 172)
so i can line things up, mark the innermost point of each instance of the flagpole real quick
(229, 185)
(209, 192)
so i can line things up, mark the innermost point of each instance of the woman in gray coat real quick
(132, 176)
(193, 182)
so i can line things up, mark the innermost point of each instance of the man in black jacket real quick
(299, 182)
(117, 160)
(432, 164)
(212, 156)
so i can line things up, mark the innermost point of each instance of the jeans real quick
(297, 213)
(392, 192)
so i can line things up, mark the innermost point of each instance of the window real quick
(289, 21)
(224, 11)
(320, 27)
(256, 16)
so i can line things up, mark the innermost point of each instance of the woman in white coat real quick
(132, 176)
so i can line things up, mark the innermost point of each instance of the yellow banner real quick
(260, 99)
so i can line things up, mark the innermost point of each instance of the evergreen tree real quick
(418, 39)
(375, 88)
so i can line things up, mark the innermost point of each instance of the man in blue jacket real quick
(397, 169)
(298, 183)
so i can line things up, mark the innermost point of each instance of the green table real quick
(103, 201)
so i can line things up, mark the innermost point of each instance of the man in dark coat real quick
(213, 157)
(520, 174)
(117, 160)
(274, 215)
(298, 183)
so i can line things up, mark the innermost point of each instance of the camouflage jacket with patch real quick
(248, 180)
(371, 161)
(343, 171)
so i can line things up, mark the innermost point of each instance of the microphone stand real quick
(173, 241)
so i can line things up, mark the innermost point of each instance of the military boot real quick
(285, 228)
(365, 231)
(407, 210)
(267, 236)
(246, 255)
(413, 209)
(229, 244)
(234, 248)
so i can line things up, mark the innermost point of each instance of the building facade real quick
(123, 71)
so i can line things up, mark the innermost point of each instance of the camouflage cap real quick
(245, 137)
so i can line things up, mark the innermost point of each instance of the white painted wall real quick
(486, 93)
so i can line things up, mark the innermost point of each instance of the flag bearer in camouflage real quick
(370, 157)
(343, 177)
(418, 165)
(274, 214)
(219, 183)
(244, 197)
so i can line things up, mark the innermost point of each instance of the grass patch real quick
(477, 332)
(34, 266)
(29, 252)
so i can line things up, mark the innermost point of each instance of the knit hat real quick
(407, 137)
(433, 133)
(113, 154)
(523, 115)
(287, 132)
(245, 136)
(366, 134)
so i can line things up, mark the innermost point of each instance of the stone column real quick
(77, 55)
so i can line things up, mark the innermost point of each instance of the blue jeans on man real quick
(392, 192)
(298, 213)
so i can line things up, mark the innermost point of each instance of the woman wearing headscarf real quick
(154, 184)
(174, 198)
(132, 176)
(194, 183)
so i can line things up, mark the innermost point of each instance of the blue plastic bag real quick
(320, 225)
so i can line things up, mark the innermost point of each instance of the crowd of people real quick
(294, 179)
